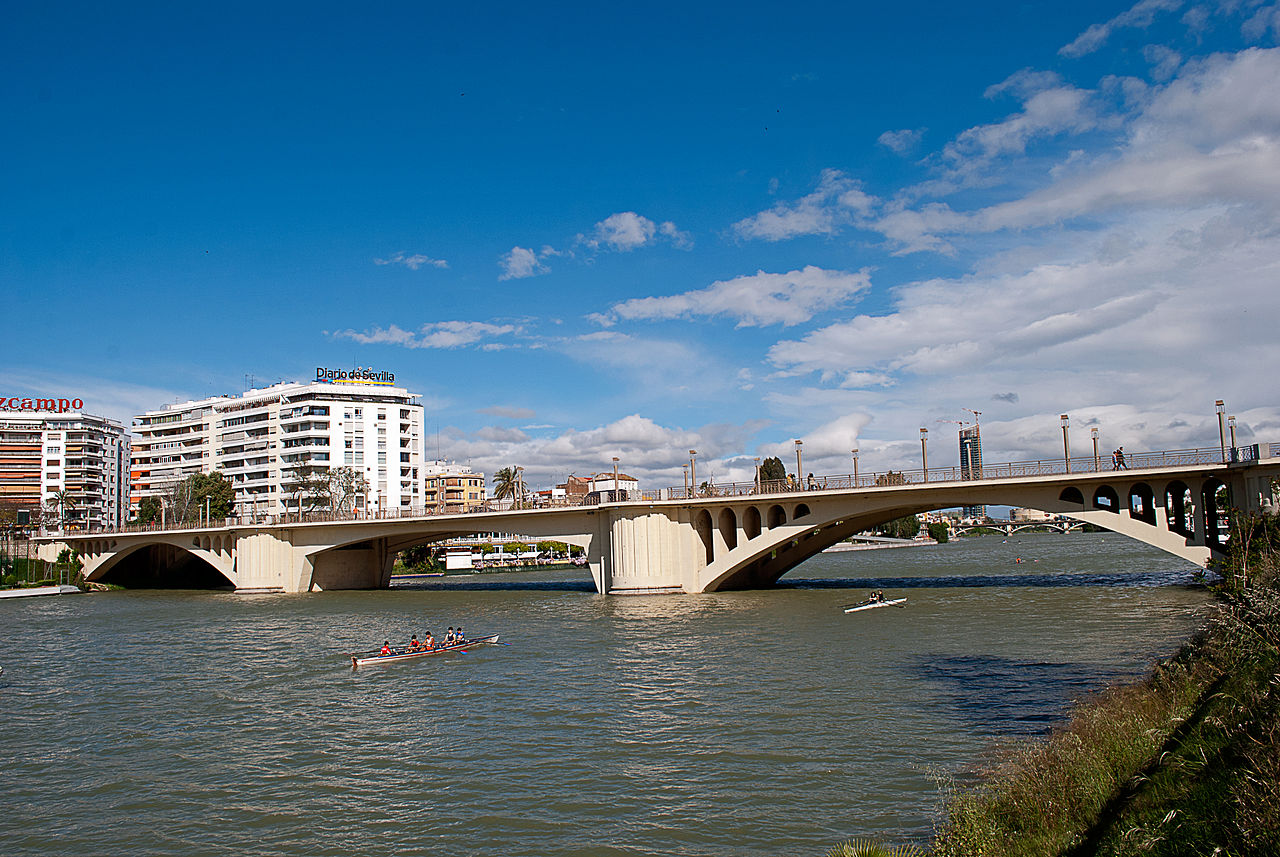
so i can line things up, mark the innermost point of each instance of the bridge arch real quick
(159, 565)
(777, 516)
(1179, 505)
(1142, 503)
(727, 522)
(1106, 499)
(1071, 494)
(751, 522)
(702, 526)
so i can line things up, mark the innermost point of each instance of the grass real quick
(1185, 763)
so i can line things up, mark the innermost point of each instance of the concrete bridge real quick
(728, 537)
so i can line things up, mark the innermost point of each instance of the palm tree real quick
(505, 483)
(64, 502)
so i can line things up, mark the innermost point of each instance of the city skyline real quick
(634, 233)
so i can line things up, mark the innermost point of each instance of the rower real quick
(386, 648)
(428, 641)
(413, 644)
(459, 637)
(449, 639)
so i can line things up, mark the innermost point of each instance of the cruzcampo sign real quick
(57, 406)
(358, 375)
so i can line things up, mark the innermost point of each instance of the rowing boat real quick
(871, 605)
(405, 654)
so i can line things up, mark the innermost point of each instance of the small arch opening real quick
(1180, 508)
(1142, 503)
(1106, 499)
(751, 522)
(1071, 495)
(801, 511)
(702, 526)
(777, 516)
(728, 523)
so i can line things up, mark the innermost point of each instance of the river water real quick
(740, 723)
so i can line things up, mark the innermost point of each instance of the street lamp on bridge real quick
(1066, 443)
(924, 451)
(1222, 435)
(693, 469)
(1093, 433)
(799, 469)
(615, 476)
(854, 453)
(757, 474)
(1231, 425)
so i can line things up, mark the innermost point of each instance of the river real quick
(739, 723)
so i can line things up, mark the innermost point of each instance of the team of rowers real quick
(453, 637)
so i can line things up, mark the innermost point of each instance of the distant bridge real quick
(1011, 527)
(726, 537)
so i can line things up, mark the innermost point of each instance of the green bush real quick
(939, 532)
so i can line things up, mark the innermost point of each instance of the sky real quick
(580, 231)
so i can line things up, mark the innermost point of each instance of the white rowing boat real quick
(405, 654)
(871, 605)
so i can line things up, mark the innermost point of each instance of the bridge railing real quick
(940, 475)
(889, 478)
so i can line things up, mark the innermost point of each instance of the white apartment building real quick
(261, 441)
(47, 448)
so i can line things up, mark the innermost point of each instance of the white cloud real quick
(626, 231)
(832, 205)
(1140, 16)
(414, 262)
(756, 300)
(522, 262)
(440, 334)
(901, 141)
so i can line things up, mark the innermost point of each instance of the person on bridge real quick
(1118, 457)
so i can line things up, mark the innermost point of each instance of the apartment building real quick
(448, 484)
(266, 440)
(63, 466)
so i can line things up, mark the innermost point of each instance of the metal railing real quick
(1083, 465)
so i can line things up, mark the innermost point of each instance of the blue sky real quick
(582, 231)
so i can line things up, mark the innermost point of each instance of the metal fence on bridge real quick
(887, 479)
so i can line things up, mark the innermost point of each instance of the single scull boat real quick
(871, 605)
(360, 659)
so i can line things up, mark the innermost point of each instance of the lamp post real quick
(1231, 426)
(615, 475)
(799, 469)
(519, 487)
(1222, 435)
(757, 474)
(924, 451)
(1093, 433)
(684, 470)
(854, 452)
(1066, 443)
(693, 469)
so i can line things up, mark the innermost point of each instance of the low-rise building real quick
(451, 485)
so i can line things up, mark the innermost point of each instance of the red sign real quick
(58, 406)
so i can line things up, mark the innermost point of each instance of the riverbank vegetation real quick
(1187, 762)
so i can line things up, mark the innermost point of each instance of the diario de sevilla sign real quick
(358, 375)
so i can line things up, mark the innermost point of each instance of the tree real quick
(907, 527)
(213, 495)
(149, 510)
(939, 532)
(506, 483)
(771, 470)
(64, 502)
(347, 486)
(309, 486)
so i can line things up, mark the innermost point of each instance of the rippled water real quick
(762, 722)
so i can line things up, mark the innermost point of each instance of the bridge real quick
(735, 536)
